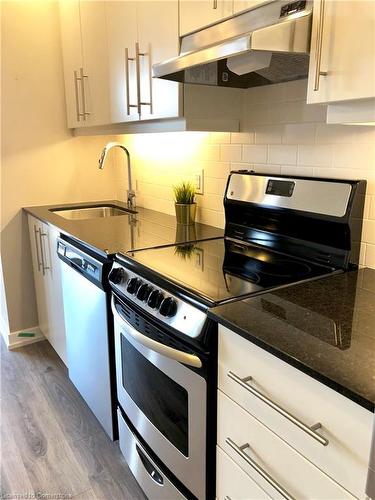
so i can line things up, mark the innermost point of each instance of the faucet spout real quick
(130, 193)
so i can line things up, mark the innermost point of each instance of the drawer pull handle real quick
(270, 480)
(311, 431)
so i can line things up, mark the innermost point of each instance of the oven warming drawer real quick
(152, 481)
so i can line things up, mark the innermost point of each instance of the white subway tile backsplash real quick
(368, 232)
(215, 169)
(210, 152)
(364, 135)
(282, 154)
(334, 134)
(268, 134)
(207, 216)
(370, 256)
(214, 186)
(298, 170)
(299, 133)
(315, 155)
(211, 201)
(371, 203)
(220, 137)
(254, 153)
(280, 134)
(242, 137)
(362, 255)
(354, 156)
(367, 208)
(230, 152)
(267, 169)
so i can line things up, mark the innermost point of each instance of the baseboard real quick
(15, 340)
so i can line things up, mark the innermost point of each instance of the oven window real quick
(162, 401)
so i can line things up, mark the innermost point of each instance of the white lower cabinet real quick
(47, 280)
(232, 482)
(269, 461)
(275, 412)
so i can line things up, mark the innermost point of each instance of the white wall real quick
(41, 162)
(283, 135)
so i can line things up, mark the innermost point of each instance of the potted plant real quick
(185, 205)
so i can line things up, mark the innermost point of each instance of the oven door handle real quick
(169, 352)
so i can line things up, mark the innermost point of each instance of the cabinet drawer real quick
(232, 482)
(276, 467)
(346, 427)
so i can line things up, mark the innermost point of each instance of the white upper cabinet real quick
(95, 62)
(109, 48)
(121, 19)
(158, 41)
(342, 59)
(195, 15)
(84, 42)
(73, 60)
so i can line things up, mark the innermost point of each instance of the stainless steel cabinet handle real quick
(138, 73)
(78, 111)
(83, 77)
(127, 82)
(44, 266)
(311, 431)
(138, 63)
(36, 231)
(214, 6)
(169, 352)
(240, 451)
(319, 43)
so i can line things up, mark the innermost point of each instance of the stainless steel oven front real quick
(162, 390)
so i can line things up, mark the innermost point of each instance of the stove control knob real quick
(133, 285)
(168, 307)
(117, 275)
(143, 292)
(155, 299)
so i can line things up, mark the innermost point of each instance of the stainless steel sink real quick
(92, 212)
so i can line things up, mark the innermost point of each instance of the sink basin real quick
(92, 212)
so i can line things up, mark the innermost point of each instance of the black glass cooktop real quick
(219, 270)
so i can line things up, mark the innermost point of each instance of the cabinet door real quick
(35, 231)
(158, 41)
(72, 60)
(53, 287)
(242, 5)
(196, 15)
(342, 59)
(95, 80)
(121, 18)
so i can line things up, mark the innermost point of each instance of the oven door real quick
(163, 398)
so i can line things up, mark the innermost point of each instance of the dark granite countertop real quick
(110, 235)
(325, 328)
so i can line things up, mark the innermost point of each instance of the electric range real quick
(279, 231)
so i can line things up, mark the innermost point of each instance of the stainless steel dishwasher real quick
(86, 321)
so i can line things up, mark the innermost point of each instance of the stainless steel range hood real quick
(269, 44)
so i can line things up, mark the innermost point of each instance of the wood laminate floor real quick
(51, 443)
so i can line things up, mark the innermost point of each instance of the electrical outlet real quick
(199, 181)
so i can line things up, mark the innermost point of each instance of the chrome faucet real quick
(103, 156)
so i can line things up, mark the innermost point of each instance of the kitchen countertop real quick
(325, 328)
(119, 234)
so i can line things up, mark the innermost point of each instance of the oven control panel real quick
(166, 308)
